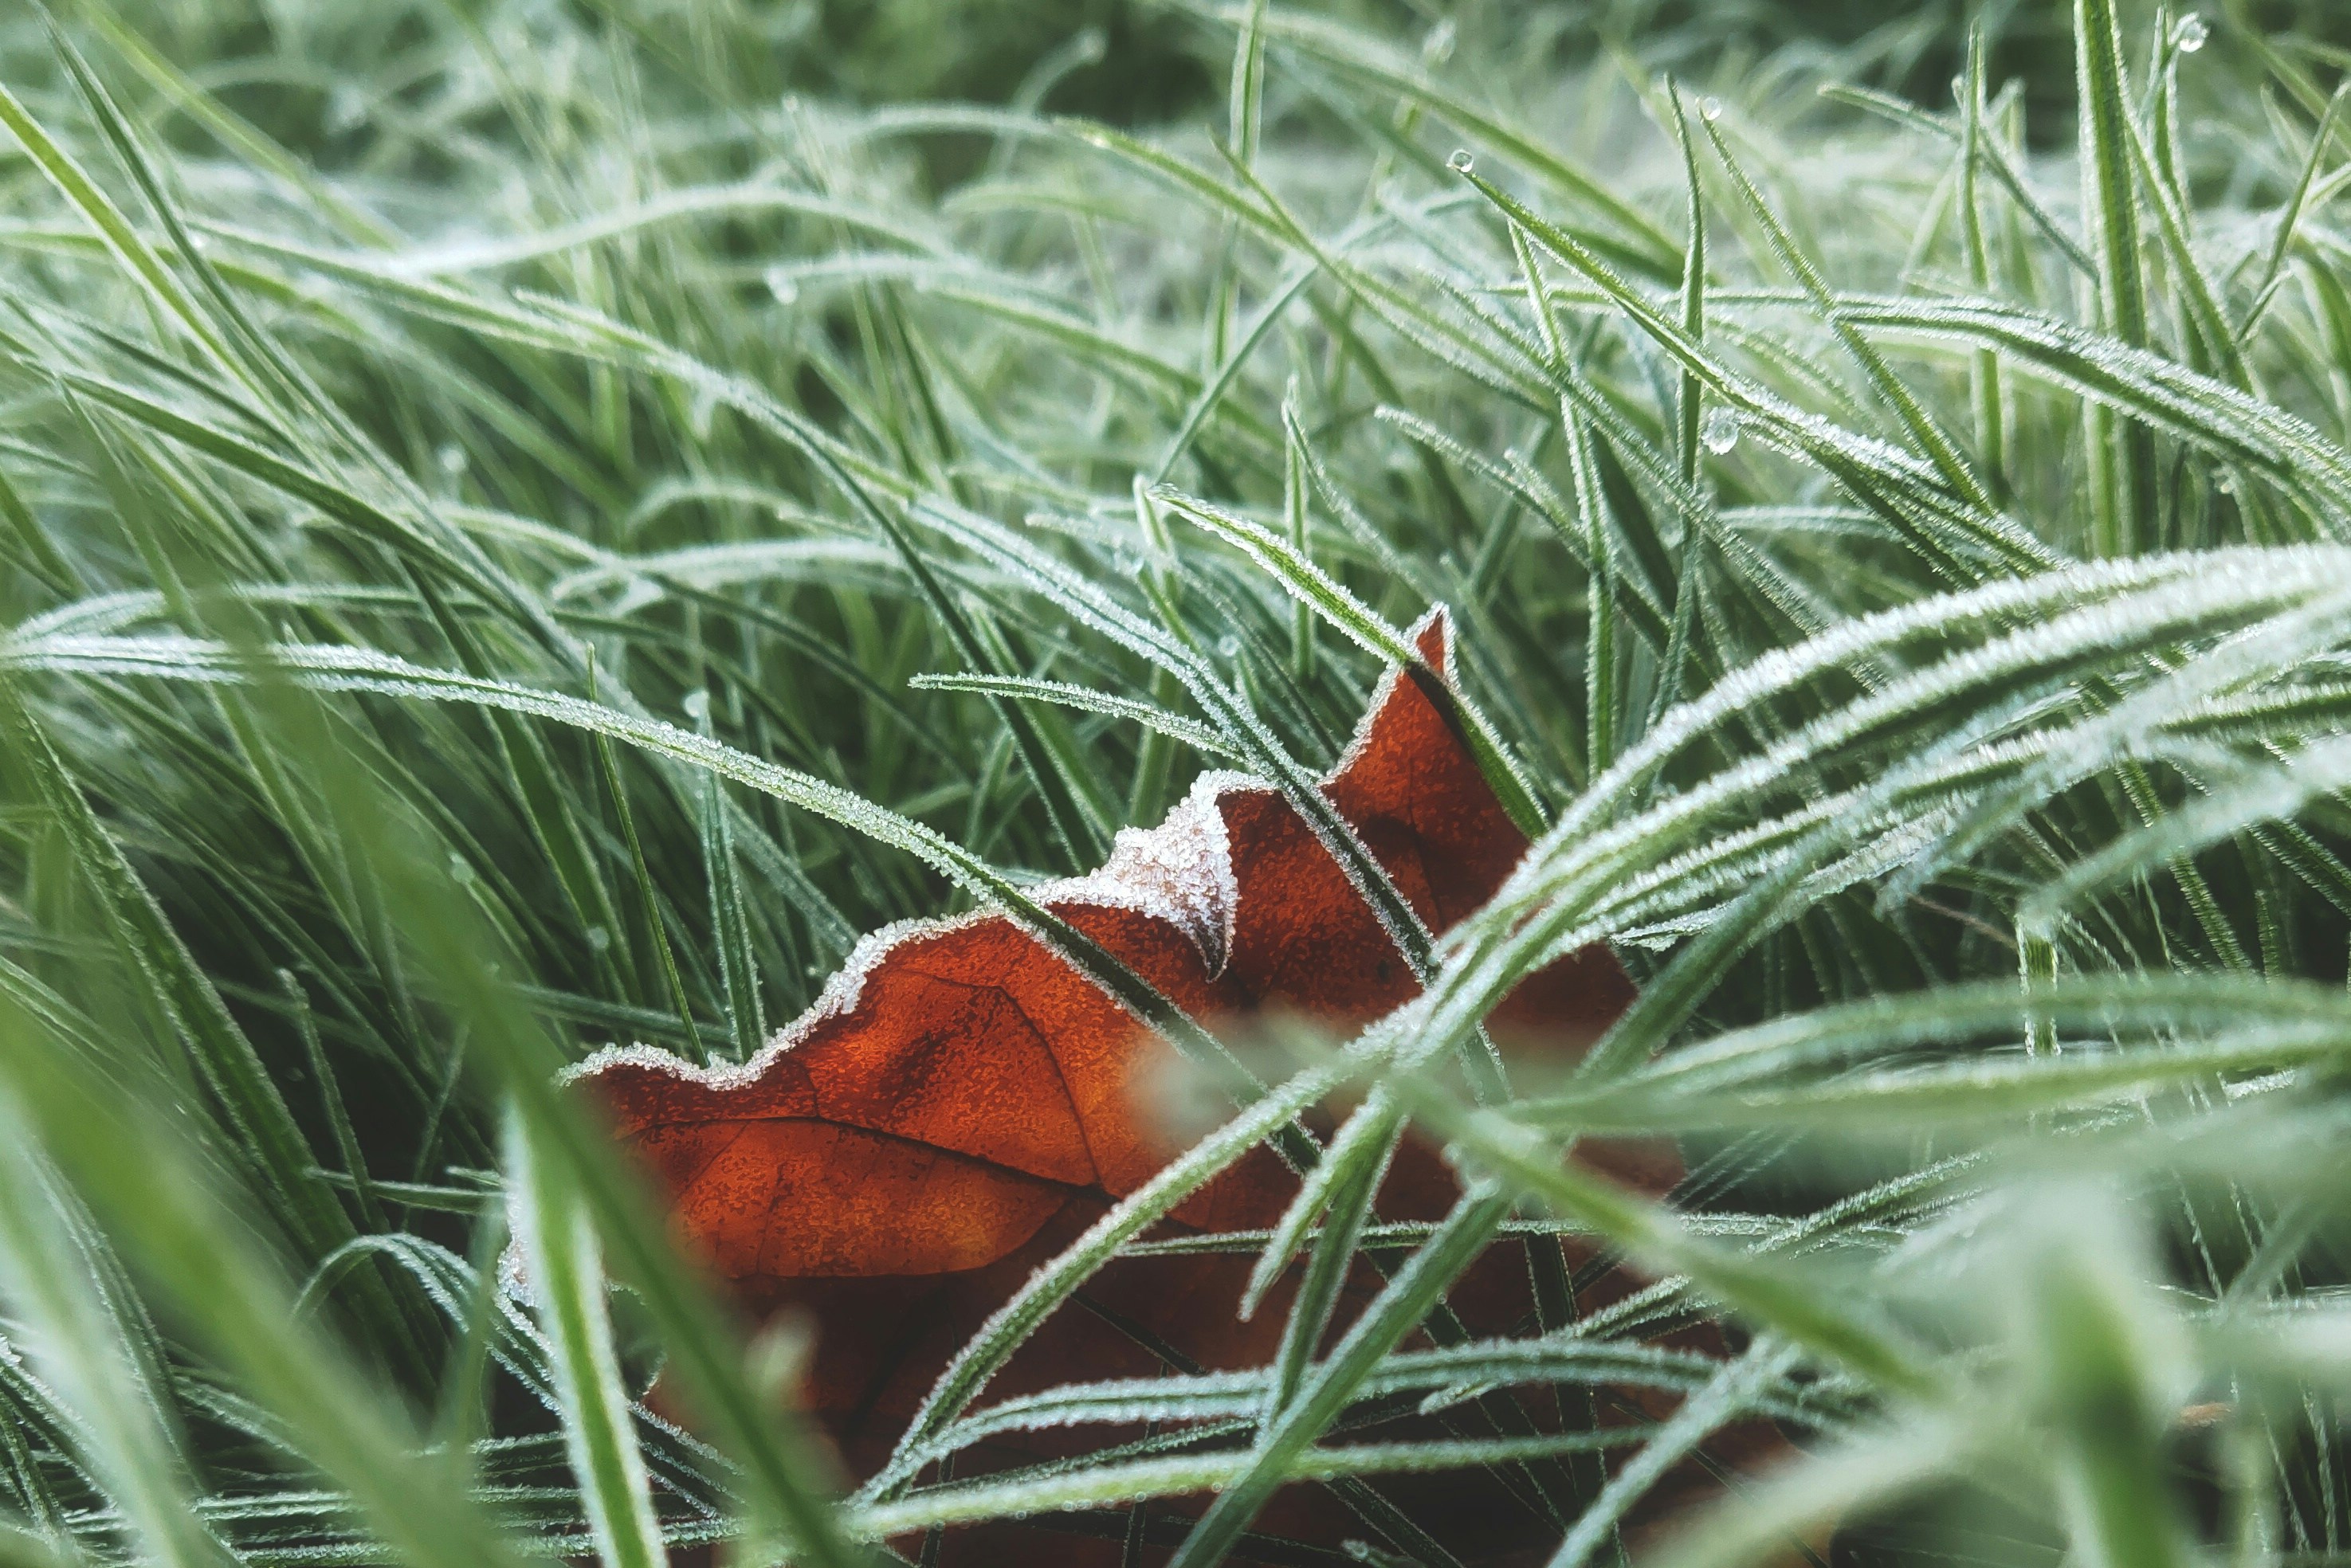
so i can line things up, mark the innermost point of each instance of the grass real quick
(517, 535)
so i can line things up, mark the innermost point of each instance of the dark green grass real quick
(481, 484)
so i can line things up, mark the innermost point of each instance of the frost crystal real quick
(1181, 871)
(1718, 431)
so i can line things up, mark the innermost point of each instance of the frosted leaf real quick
(1718, 430)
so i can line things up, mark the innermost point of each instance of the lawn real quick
(1740, 617)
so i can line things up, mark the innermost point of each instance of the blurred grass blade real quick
(179, 1235)
(567, 1281)
(119, 1417)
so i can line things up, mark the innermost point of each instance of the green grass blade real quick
(567, 1279)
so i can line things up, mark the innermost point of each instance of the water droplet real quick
(1718, 431)
(2227, 484)
(697, 706)
(1437, 48)
(1228, 645)
(1709, 109)
(780, 285)
(2191, 33)
(1462, 163)
(346, 109)
(451, 458)
(460, 872)
(599, 938)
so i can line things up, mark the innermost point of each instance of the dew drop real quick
(1437, 47)
(600, 939)
(1718, 431)
(1462, 163)
(345, 111)
(451, 458)
(697, 706)
(2191, 33)
(1228, 645)
(780, 285)
(460, 872)
(1709, 109)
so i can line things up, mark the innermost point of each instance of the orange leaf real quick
(961, 1102)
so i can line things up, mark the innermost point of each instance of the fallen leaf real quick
(961, 1103)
